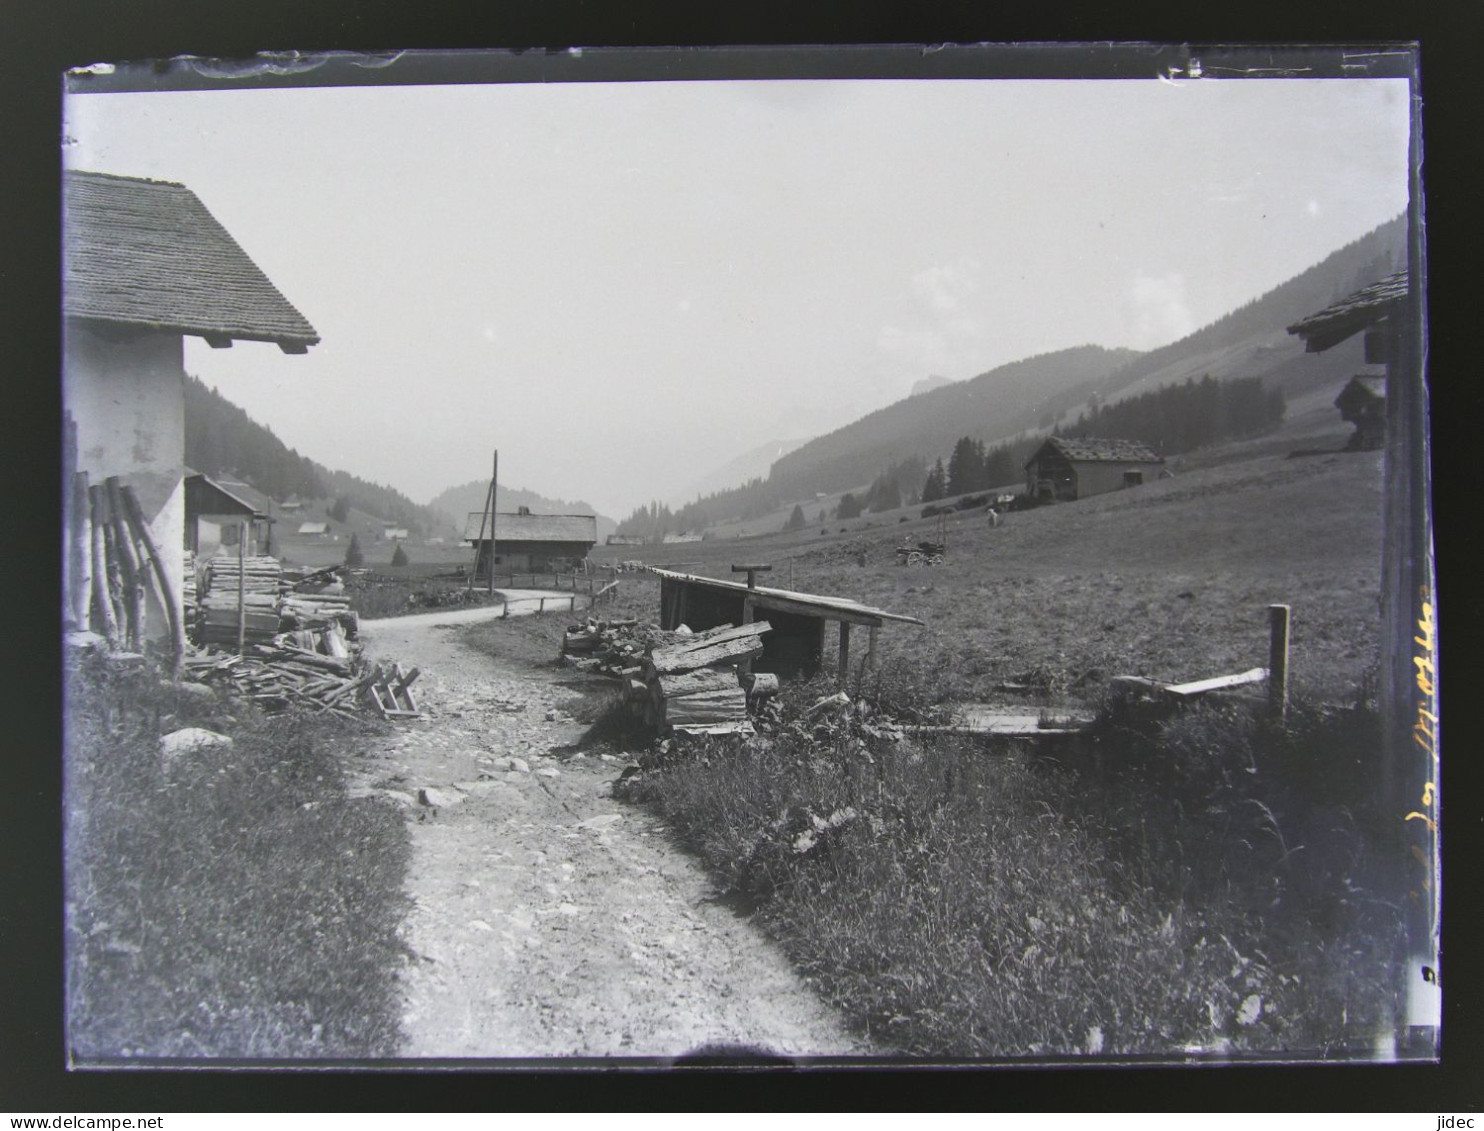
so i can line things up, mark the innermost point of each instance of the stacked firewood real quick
(255, 581)
(277, 677)
(696, 684)
(614, 647)
(275, 601)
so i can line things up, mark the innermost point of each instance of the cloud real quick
(943, 327)
(1159, 312)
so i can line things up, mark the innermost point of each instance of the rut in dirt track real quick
(551, 920)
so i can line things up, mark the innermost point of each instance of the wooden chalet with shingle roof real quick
(144, 265)
(1064, 469)
(530, 542)
(215, 510)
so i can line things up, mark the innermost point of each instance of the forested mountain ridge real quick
(1005, 400)
(222, 440)
(456, 503)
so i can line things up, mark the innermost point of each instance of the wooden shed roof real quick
(1089, 450)
(221, 499)
(1352, 314)
(533, 527)
(788, 601)
(148, 253)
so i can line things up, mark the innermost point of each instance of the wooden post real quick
(844, 651)
(479, 542)
(128, 563)
(135, 514)
(1278, 661)
(494, 509)
(102, 601)
(241, 587)
(871, 648)
(69, 520)
(82, 579)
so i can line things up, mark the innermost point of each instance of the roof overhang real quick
(789, 601)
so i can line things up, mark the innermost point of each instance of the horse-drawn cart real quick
(923, 554)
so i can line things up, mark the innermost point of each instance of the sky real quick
(622, 286)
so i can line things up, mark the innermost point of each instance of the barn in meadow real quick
(530, 543)
(1064, 469)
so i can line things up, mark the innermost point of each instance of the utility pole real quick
(494, 507)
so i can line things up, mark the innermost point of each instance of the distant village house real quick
(144, 265)
(530, 542)
(215, 512)
(1065, 469)
(314, 529)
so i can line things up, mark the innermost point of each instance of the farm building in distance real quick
(1064, 469)
(314, 529)
(530, 542)
(683, 536)
(795, 646)
(214, 512)
(1363, 403)
(625, 540)
(145, 264)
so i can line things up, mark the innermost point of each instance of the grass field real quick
(1170, 580)
(227, 903)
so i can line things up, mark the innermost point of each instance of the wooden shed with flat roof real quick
(796, 644)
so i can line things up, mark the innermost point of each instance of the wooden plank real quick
(1201, 686)
(714, 636)
(727, 652)
(693, 682)
(844, 650)
(827, 612)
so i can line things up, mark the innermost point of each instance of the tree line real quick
(221, 439)
(1181, 418)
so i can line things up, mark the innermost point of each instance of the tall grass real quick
(959, 901)
(232, 903)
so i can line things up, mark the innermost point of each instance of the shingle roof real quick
(534, 527)
(230, 498)
(1088, 449)
(831, 608)
(148, 253)
(1351, 314)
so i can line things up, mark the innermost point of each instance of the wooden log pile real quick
(111, 560)
(695, 685)
(278, 677)
(275, 600)
(613, 647)
(256, 581)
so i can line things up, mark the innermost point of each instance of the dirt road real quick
(552, 920)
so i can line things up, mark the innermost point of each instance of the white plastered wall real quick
(126, 393)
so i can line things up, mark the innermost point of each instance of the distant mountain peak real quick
(928, 384)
